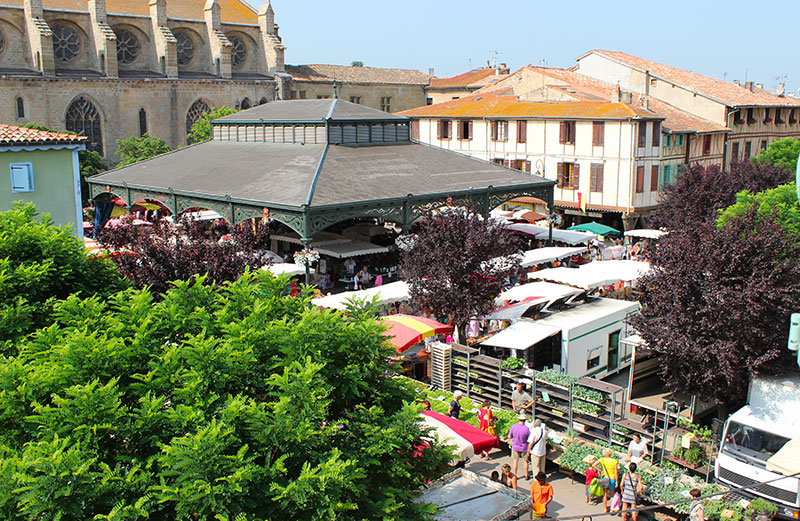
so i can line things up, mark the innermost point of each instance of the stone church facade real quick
(128, 67)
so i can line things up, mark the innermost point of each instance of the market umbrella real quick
(527, 215)
(787, 459)
(408, 330)
(597, 228)
(468, 439)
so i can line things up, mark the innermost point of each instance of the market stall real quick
(407, 330)
(468, 439)
(287, 268)
(542, 233)
(535, 289)
(385, 294)
(646, 233)
(548, 254)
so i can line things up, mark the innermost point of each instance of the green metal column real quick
(306, 240)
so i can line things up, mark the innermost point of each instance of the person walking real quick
(537, 446)
(518, 439)
(631, 487)
(485, 421)
(541, 491)
(608, 468)
(455, 405)
(696, 512)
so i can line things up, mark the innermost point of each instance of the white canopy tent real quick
(541, 232)
(521, 335)
(342, 250)
(321, 239)
(536, 289)
(548, 254)
(286, 268)
(387, 294)
(594, 274)
(625, 270)
(646, 233)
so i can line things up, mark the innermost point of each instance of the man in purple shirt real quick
(518, 439)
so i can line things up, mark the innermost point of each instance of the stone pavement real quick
(569, 496)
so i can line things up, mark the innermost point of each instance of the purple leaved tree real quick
(449, 266)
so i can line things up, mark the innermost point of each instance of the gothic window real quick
(66, 43)
(246, 104)
(196, 111)
(83, 119)
(127, 46)
(185, 48)
(2, 42)
(238, 51)
(142, 122)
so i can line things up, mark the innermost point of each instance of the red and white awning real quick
(468, 439)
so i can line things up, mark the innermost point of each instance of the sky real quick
(724, 39)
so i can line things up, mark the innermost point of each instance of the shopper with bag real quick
(608, 468)
(631, 490)
(593, 490)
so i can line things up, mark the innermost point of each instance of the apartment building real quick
(755, 116)
(604, 156)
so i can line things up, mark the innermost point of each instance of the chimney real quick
(430, 72)
(503, 69)
(616, 94)
(781, 90)
(736, 82)
(748, 85)
(759, 85)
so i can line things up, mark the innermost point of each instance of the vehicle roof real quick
(772, 420)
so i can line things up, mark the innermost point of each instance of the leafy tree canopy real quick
(201, 130)
(782, 153)
(222, 402)
(449, 269)
(780, 201)
(154, 256)
(40, 263)
(135, 149)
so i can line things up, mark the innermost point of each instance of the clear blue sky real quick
(712, 37)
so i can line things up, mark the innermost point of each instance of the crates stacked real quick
(441, 365)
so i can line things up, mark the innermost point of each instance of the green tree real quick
(780, 201)
(201, 130)
(134, 149)
(219, 402)
(39, 264)
(782, 152)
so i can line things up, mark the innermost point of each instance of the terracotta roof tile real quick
(728, 93)
(490, 105)
(232, 11)
(473, 78)
(13, 135)
(585, 88)
(350, 74)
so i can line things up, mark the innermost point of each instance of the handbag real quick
(595, 489)
(604, 483)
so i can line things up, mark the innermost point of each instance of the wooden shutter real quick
(460, 125)
(562, 132)
(560, 175)
(656, 133)
(654, 178)
(574, 181)
(639, 179)
(507, 162)
(470, 130)
(494, 130)
(596, 179)
(734, 151)
(449, 129)
(522, 131)
(598, 133)
(642, 133)
(527, 166)
(439, 125)
(415, 129)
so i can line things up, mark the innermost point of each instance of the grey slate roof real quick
(283, 174)
(310, 110)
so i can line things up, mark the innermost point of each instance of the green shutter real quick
(666, 179)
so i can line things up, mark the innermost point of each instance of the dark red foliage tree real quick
(449, 269)
(717, 307)
(155, 256)
(700, 192)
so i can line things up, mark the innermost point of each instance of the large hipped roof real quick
(309, 110)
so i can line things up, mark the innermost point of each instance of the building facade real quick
(111, 71)
(605, 157)
(755, 116)
(43, 168)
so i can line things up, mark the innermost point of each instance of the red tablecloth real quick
(468, 434)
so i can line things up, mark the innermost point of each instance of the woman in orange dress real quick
(486, 422)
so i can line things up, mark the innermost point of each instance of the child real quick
(591, 475)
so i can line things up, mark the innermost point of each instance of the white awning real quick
(646, 233)
(536, 289)
(548, 254)
(542, 233)
(521, 335)
(285, 268)
(320, 239)
(624, 270)
(342, 250)
(387, 294)
(573, 277)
